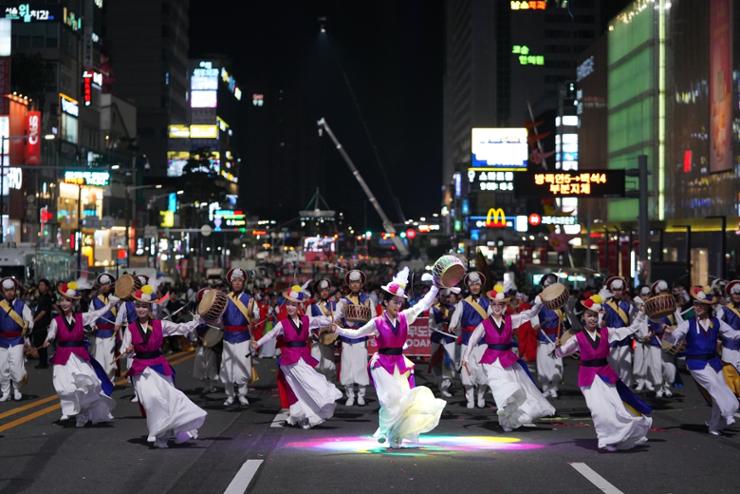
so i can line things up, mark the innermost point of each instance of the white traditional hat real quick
(397, 286)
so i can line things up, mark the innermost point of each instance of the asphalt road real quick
(468, 452)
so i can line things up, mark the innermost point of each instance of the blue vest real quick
(701, 346)
(316, 308)
(732, 319)
(8, 325)
(234, 317)
(108, 332)
(471, 318)
(549, 322)
(612, 320)
(441, 315)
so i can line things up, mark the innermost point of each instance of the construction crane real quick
(387, 225)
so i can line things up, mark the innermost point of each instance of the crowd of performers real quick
(487, 340)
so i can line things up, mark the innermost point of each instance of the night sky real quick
(391, 53)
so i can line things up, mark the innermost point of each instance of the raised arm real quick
(276, 331)
(676, 334)
(526, 315)
(170, 328)
(456, 316)
(413, 312)
(367, 330)
(618, 334)
(319, 321)
(91, 315)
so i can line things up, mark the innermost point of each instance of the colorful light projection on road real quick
(434, 445)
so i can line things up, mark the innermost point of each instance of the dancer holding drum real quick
(617, 315)
(655, 369)
(518, 400)
(310, 396)
(469, 313)
(169, 413)
(125, 287)
(236, 359)
(104, 341)
(552, 320)
(211, 305)
(443, 342)
(83, 386)
(353, 311)
(616, 427)
(701, 334)
(323, 350)
(405, 410)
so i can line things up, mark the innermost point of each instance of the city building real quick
(649, 88)
(147, 42)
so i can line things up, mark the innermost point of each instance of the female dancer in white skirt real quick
(405, 410)
(311, 396)
(169, 413)
(83, 392)
(616, 427)
(518, 400)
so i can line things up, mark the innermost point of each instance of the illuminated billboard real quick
(499, 148)
(204, 86)
(584, 183)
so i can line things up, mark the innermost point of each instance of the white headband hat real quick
(8, 284)
(355, 275)
(735, 290)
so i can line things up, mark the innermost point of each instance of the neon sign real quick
(525, 57)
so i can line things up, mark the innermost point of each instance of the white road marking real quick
(243, 477)
(595, 478)
(279, 419)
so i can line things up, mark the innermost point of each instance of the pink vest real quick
(148, 349)
(295, 342)
(499, 344)
(594, 359)
(70, 341)
(390, 339)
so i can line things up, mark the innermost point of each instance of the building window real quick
(69, 128)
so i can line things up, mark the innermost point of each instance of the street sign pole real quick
(644, 233)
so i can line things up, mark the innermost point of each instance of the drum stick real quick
(174, 313)
(444, 333)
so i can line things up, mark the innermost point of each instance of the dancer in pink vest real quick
(82, 392)
(169, 413)
(617, 426)
(311, 396)
(518, 400)
(405, 410)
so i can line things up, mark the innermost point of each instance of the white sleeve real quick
(473, 342)
(319, 321)
(618, 334)
(170, 328)
(525, 315)
(677, 334)
(27, 316)
(276, 331)
(367, 330)
(92, 315)
(125, 340)
(568, 348)
(51, 333)
(413, 312)
(727, 331)
(456, 316)
(255, 311)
